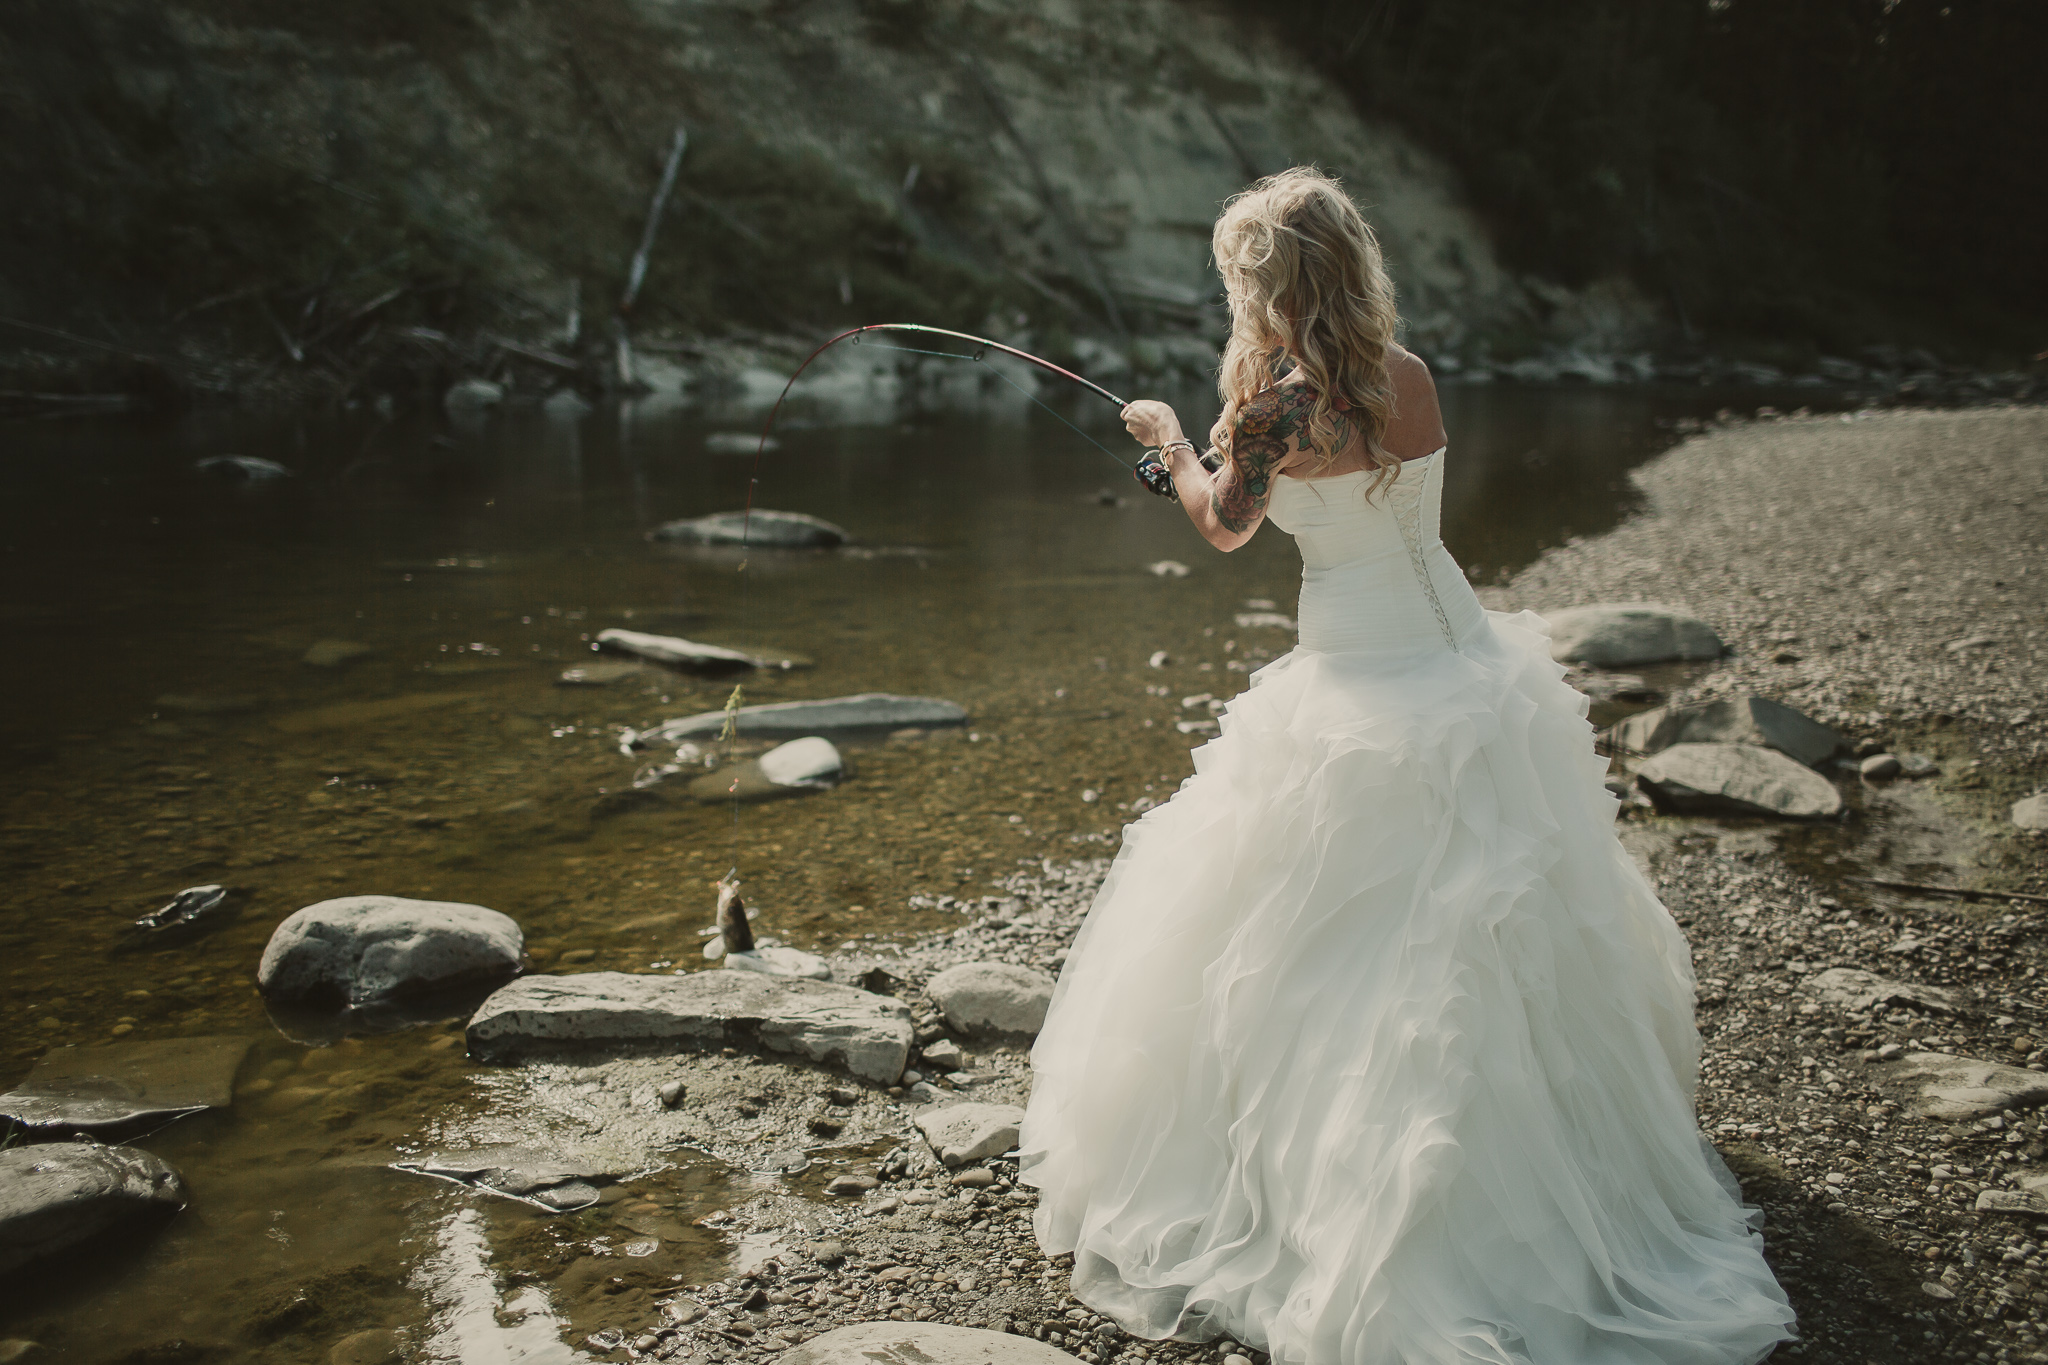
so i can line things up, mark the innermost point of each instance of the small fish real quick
(733, 929)
(185, 907)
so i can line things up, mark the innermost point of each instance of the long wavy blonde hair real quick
(1307, 284)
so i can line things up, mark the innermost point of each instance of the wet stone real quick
(357, 949)
(860, 711)
(1738, 779)
(600, 674)
(1748, 720)
(57, 1195)
(124, 1088)
(1621, 635)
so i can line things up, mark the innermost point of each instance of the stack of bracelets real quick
(1151, 468)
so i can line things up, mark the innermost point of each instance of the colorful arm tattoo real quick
(1269, 429)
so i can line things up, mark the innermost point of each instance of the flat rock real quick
(921, 1343)
(780, 962)
(546, 1180)
(55, 1195)
(1857, 991)
(2030, 1202)
(336, 653)
(124, 1088)
(357, 949)
(811, 764)
(961, 1133)
(2032, 813)
(1612, 635)
(600, 674)
(992, 997)
(768, 529)
(1740, 779)
(862, 711)
(1756, 721)
(868, 1035)
(1961, 1088)
(241, 468)
(673, 649)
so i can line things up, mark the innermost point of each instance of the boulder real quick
(1859, 991)
(803, 765)
(1960, 1088)
(1612, 635)
(1739, 779)
(673, 649)
(868, 1035)
(336, 653)
(961, 1133)
(357, 949)
(1731, 720)
(59, 1194)
(2032, 813)
(862, 711)
(763, 528)
(921, 1343)
(992, 997)
(122, 1089)
(773, 961)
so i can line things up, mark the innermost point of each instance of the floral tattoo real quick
(1269, 428)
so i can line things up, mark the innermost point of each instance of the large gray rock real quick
(868, 1035)
(961, 1133)
(772, 530)
(862, 711)
(1738, 779)
(123, 1088)
(1612, 635)
(992, 997)
(921, 1343)
(2031, 813)
(58, 1194)
(1859, 991)
(673, 649)
(1731, 720)
(810, 764)
(1950, 1087)
(357, 949)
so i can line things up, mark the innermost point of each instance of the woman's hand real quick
(1151, 421)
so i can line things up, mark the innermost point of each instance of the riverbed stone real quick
(357, 949)
(992, 997)
(868, 1035)
(1614, 635)
(963, 1133)
(544, 1179)
(56, 1195)
(921, 1343)
(776, 961)
(1730, 720)
(2032, 813)
(124, 1088)
(601, 674)
(1858, 991)
(1951, 1087)
(811, 764)
(674, 649)
(762, 528)
(861, 711)
(336, 653)
(1738, 779)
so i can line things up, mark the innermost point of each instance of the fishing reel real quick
(1151, 471)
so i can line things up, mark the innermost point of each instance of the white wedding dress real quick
(1376, 1048)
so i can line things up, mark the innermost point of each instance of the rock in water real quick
(804, 765)
(122, 1089)
(57, 1195)
(862, 711)
(186, 906)
(1739, 779)
(358, 949)
(532, 1177)
(926, 1343)
(1616, 635)
(600, 675)
(673, 649)
(734, 933)
(867, 1034)
(961, 1133)
(336, 653)
(242, 469)
(1731, 720)
(762, 528)
(992, 997)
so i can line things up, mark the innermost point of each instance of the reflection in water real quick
(469, 1321)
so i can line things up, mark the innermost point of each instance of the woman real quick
(1376, 1046)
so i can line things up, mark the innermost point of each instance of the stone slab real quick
(868, 1035)
(56, 1195)
(861, 711)
(1729, 720)
(124, 1088)
(761, 528)
(1858, 991)
(1737, 779)
(1952, 1087)
(963, 1133)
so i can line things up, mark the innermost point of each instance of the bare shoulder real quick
(1417, 427)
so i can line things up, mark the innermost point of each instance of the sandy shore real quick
(1882, 572)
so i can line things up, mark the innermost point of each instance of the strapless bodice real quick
(1375, 574)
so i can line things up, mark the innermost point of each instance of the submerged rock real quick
(1611, 635)
(673, 649)
(185, 907)
(543, 1179)
(761, 528)
(357, 949)
(869, 1035)
(803, 765)
(1730, 720)
(241, 469)
(961, 1133)
(861, 711)
(122, 1089)
(336, 653)
(927, 1343)
(600, 675)
(992, 997)
(1737, 779)
(56, 1195)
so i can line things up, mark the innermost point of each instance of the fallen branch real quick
(537, 355)
(1960, 893)
(75, 339)
(638, 273)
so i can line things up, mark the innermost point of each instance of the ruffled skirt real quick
(1376, 1046)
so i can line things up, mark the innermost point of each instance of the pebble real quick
(671, 1093)
(1878, 767)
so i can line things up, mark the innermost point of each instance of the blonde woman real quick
(1376, 1048)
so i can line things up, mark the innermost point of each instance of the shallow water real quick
(162, 731)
